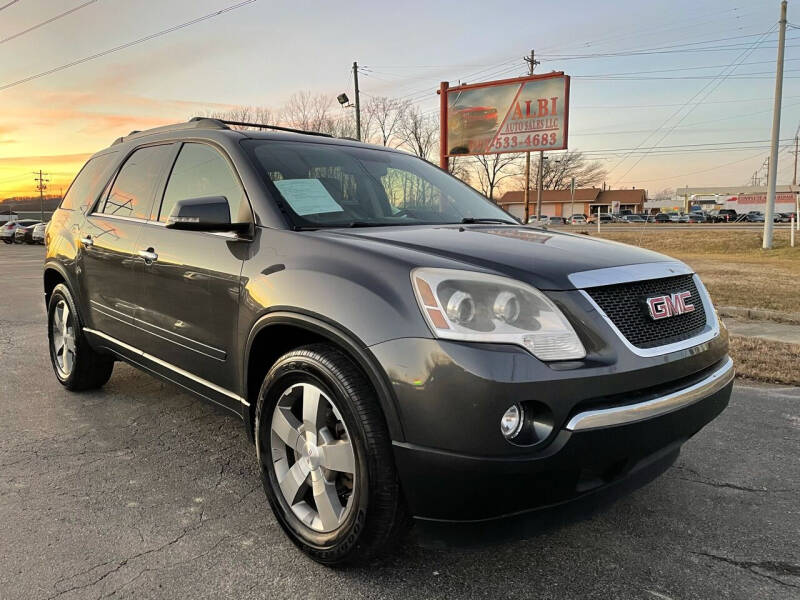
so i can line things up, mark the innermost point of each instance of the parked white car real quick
(38, 233)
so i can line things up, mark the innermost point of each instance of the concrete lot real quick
(140, 491)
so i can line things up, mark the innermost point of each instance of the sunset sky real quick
(262, 52)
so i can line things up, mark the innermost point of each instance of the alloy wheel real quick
(63, 338)
(313, 457)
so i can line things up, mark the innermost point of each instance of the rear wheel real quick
(77, 366)
(325, 457)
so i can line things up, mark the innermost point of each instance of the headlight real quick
(477, 307)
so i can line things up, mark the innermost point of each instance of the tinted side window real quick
(87, 185)
(133, 190)
(201, 171)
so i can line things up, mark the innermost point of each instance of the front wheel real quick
(77, 366)
(325, 457)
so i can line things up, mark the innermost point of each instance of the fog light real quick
(511, 423)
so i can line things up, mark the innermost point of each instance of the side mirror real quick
(211, 213)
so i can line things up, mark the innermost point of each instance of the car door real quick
(189, 281)
(107, 237)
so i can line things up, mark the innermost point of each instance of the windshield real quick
(327, 185)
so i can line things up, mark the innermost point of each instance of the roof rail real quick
(263, 126)
(211, 123)
(195, 123)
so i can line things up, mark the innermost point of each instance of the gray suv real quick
(397, 346)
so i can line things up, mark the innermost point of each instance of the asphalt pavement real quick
(141, 491)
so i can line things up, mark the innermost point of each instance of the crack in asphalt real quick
(124, 561)
(778, 568)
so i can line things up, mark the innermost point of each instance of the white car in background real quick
(37, 235)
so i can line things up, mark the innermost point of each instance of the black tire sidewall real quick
(324, 547)
(61, 292)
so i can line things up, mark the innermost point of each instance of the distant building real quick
(741, 198)
(8, 215)
(588, 201)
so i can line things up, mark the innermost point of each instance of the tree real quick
(491, 169)
(308, 111)
(665, 194)
(418, 133)
(243, 114)
(558, 171)
(385, 115)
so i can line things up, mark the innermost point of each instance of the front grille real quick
(625, 304)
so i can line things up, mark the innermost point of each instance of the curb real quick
(759, 314)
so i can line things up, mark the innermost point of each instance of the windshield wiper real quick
(472, 220)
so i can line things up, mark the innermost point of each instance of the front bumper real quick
(611, 414)
(585, 457)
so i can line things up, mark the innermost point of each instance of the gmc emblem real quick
(661, 307)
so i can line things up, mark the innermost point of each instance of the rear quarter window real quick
(91, 179)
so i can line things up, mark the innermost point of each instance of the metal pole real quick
(443, 161)
(572, 197)
(527, 186)
(772, 171)
(358, 102)
(531, 65)
(539, 191)
(41, 195)
(791, 231)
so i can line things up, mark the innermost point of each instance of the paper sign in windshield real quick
(307, 196)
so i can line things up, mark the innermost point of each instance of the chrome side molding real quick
(166, 365)
(620, 415)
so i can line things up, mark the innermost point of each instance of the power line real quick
(9, 4)
(127, 45)
(715, 83)
(47, 22)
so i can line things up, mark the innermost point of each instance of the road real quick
(660, 227)
(140, 491)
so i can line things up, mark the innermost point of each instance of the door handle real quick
(148, 255)
(87, 241)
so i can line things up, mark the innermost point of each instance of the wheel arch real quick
(54, 274)
(292, 330)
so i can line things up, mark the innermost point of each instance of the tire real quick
(368, 516)
(87, 369)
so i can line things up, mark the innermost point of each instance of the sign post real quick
(572, 197)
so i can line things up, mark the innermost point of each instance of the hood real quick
(542, 258)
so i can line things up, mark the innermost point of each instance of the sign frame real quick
(445, 89)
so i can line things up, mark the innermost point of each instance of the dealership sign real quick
(513, 115)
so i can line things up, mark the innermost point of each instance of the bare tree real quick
(665, 194)
(457, 167)
(309, 111)
(417, 132)
(492, 169)
(243, 114)
(386, 114)
(558, 171)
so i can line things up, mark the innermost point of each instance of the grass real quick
(768, 361)
(732, 264)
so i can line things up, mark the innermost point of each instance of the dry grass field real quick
(734, 268)
(762, 360)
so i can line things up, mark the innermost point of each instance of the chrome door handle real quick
(148, 255)
(87, 241)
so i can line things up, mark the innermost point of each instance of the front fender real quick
(343, 339)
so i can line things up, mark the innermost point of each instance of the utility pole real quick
(539, 190)
(358, 101)
(41, 187)
(794, 177)
(532, 62)
(772, 172)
